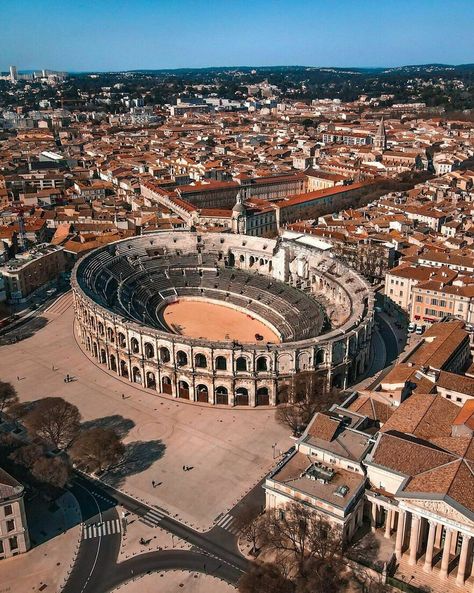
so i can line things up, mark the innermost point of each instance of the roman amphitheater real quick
(221, 318)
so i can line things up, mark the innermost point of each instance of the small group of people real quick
(67, 379)
(187, 468)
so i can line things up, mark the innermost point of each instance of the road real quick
(96, 569)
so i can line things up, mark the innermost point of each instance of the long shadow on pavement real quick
(121, 425)
(139, 456)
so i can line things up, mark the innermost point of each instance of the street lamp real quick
(273, 449)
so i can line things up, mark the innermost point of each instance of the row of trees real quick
(304, 554)
(56, 439)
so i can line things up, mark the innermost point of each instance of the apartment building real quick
(14, 538)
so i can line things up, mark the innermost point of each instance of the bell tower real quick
(380, 138)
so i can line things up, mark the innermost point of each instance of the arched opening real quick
(200, 361)
(261, 262)
(103, 356)
(88, 343)
(320, 357)
(242, 259)
(121, 340)
(101, 328)
(241, 364)
(251, 261)
(150, 380)
(181, 358)
(123, 368)
(337, 381)
(149, 350)
(110, 334)
(231, 260)
(95, 350)
(263, 397)
(262, 363)
(241, 397)
(221, 363)
(166, 385)
(164, 354)
(92, 323)
(134, 345)
(113, 363)
(183, 390)
(136, 375)
(222, 396)
(202, 393)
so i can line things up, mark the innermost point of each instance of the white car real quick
(411, 327)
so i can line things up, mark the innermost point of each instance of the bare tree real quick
(27, 455)
(8, 396)
(250, 522)
(309, 393)
(55, 420)
(54, 471)
(265, 578)
(303, 534)
(97, 448)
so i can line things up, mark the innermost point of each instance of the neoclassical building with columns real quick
(317, 312)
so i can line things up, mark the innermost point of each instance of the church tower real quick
(239, 221)
(380, 139)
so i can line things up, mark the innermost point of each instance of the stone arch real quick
(136, 375)
(241, 364)
(113, 362)
(181, 358)
(262, 397)
(202, 393)
(200, 361)
(134, 346)
(100, 327)
(222, 395)
(320, 356)
(103, 356)
(150, 380)
(241, 396)
(124, 368)
(164, 354)
(110, 335)
(304, 361)
(221, 363)
(262, 364)
(149, 350)
(95, 350)
(183, 389)
(122, 342)
(166, 385)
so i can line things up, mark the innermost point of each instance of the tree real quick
(55, 420)
(321, 576)
(299, 532)
(27, 455)
(54, 471)
(250, 522)
(97, 448)
(265, 578)
(8, 395)
(309, 393)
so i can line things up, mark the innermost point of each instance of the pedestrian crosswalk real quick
(101, 529)
(152, 517)
(228, 523)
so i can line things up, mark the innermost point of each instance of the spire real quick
(380, 139)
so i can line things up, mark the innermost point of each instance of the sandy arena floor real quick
(201, 319)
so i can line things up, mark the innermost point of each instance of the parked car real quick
(411, 327)
(420, 329)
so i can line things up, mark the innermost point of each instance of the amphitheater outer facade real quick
(320, 308)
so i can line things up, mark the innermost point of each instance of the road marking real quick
(101, 529)
(227, 522)
(152, 518)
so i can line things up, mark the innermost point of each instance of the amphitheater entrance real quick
(150, 380)
(214, 320)
(113, 363)
(263, 397)
(202, 394)
(242, 397)
(222, 396)
(124, 368)
(183, 390)
(166, 385)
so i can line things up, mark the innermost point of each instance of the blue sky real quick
(132, 34)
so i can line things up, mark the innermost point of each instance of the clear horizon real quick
(121, 35)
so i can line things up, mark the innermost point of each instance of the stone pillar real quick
(430, 547)
(463, 560)
(373, 523)
(414, 537)
(446, 554)
(388, 523)
(400, 534)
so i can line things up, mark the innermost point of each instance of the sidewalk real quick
(55, 531)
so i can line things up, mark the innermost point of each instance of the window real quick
(1, 547)
(419, 299)
(13, 543)
(8, 510)
(10, 525)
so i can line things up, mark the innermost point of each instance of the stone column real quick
(414, 537)
(374, 510)
(446, 554)
(430, 547)
(466, 539)
(400, 534)
(388, 523)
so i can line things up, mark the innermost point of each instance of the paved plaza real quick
(176, 580)
(228, 450)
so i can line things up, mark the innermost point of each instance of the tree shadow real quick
(122, 426)
(138, 456)
(23, 331)
(365, 548)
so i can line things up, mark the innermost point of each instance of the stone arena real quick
(222, 319)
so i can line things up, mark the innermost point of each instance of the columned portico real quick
(461, 574)
(428, 566)
(414, 538)
(446, 553)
